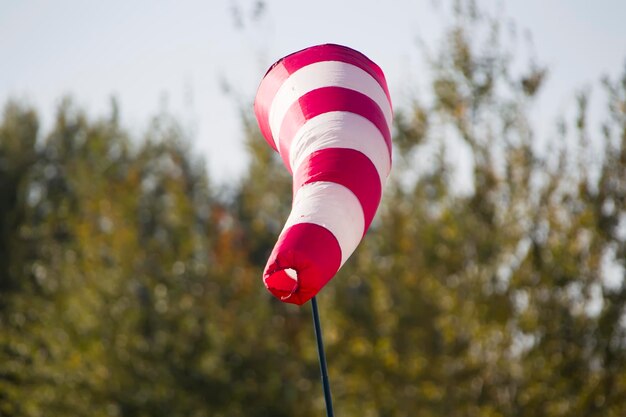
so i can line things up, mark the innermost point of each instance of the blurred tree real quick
(130, 288)
(503, 297)
(17, 154)
(51, 360)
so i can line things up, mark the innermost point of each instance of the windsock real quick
(327, 111)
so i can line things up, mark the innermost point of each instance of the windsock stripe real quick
(329, 99)
(361, 178)
(330, 52)
(282, 69)
(325, 74)
(341, 130)
(333, 207)
(264, 97)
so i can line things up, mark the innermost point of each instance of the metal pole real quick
(322, 357)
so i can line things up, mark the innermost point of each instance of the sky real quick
(201, 61)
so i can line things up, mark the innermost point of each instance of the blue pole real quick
(322, 357)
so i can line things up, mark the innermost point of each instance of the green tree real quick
(492, 301)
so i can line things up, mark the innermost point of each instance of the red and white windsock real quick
(327, 111)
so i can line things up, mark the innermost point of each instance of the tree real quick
(493, 301)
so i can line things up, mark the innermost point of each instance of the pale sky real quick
(175, 54)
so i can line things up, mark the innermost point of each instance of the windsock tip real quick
(283, 284)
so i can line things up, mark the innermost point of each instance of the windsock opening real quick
(284, 281)
(310, 253)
